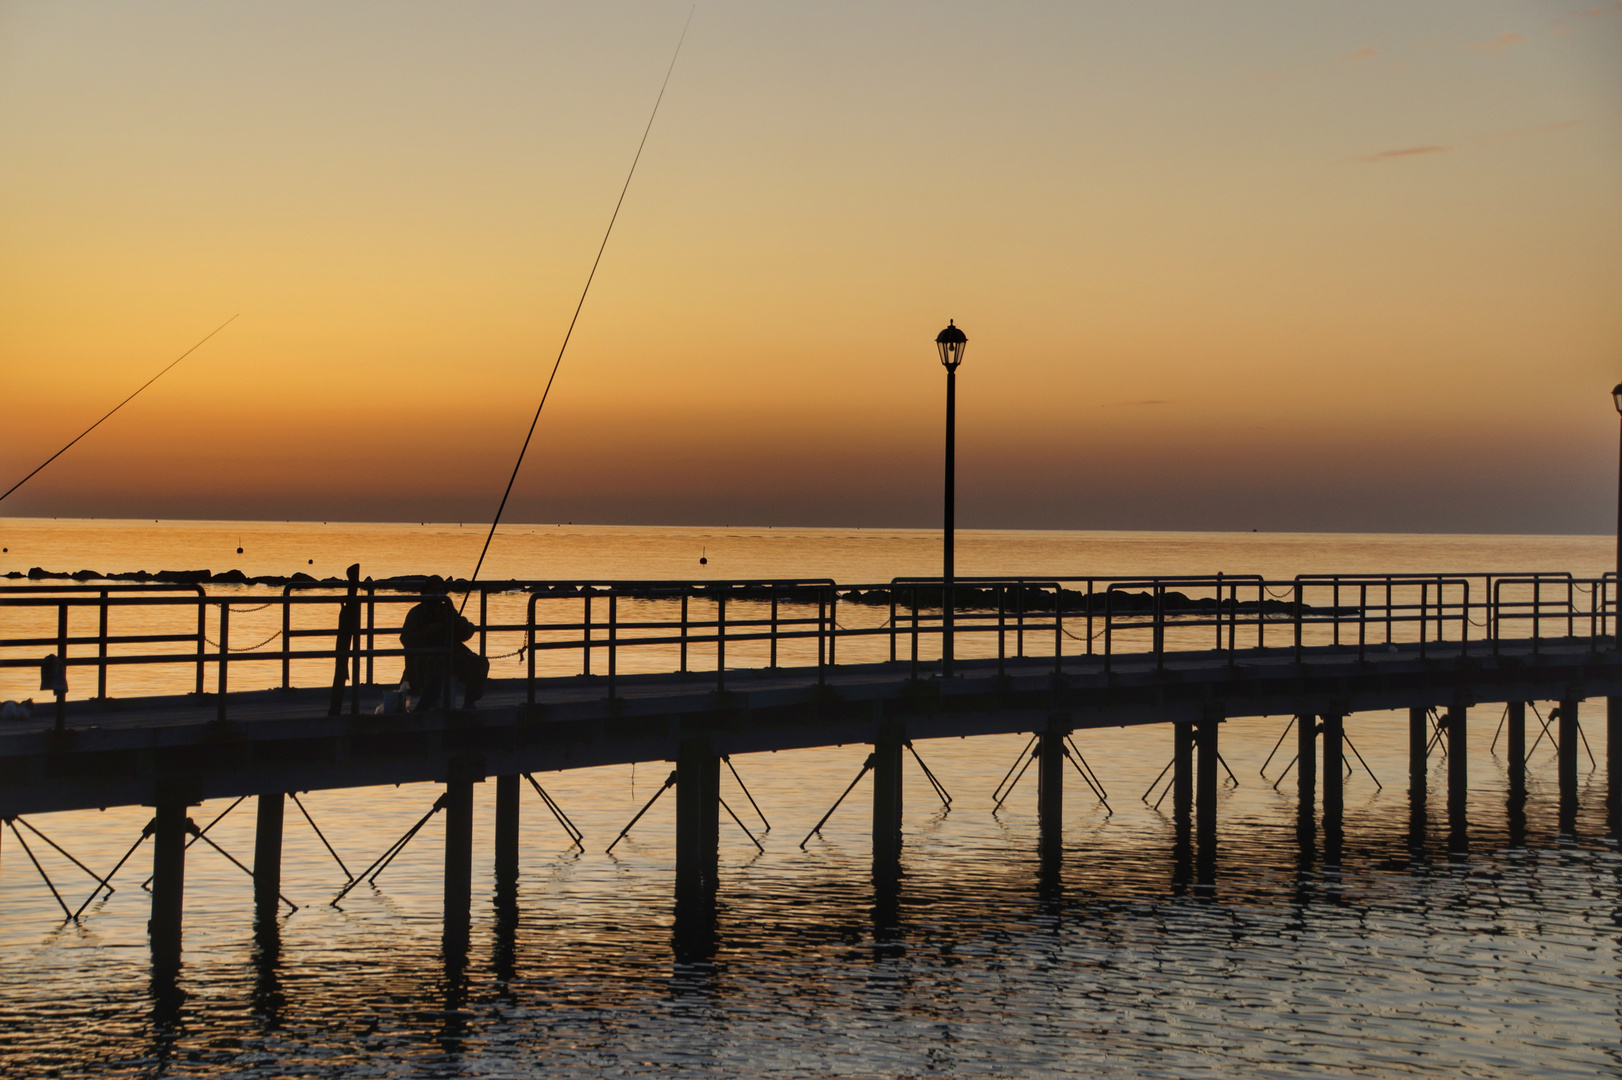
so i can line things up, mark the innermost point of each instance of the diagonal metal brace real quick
(394, 849)
(150, 828)
(670, 782)
(866, 765)
(934, 781)
(575, 834)
(192, 828)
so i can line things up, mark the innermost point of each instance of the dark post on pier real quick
(951, 342)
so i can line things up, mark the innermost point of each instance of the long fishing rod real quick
(120, 405)
(567, 334)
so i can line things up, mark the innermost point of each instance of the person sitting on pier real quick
(431, 626)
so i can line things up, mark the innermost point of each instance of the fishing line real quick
(120, 405)
(567, 334)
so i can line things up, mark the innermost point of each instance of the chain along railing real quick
(605, 630)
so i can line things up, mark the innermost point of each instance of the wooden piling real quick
(698, 806)
(1567, 747)
(1515, 748)
(1418, 774)
(887, 800)
(507, 818)
(1205, 782)
(1182, 775)
(1334, 782)
(1050, 795)
(1306, 765)
(168, 884)
(458, 858)
(267, 858)
(1458, 779)
(1613, 764)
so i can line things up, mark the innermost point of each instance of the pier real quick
(695, 673)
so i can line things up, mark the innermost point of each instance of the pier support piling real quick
(1418, 774)
(1205, 783)
(168, 884)
(1515, 749)
(1306, 765)
(1458, 780)
(698, 843)
(267, 859)
(507, 791)
(698, 824)
(1182, 775)
(887, 801)
(1613, 764)
(1334, 783)
(458, 859)
(1567, 747)
(1050, 798)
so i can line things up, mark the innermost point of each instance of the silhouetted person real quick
(432, 625)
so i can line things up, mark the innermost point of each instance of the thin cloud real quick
(1365, 53)
(1498, 44)
(1133, 404)
(1405, 152)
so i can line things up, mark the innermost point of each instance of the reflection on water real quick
(982, 959)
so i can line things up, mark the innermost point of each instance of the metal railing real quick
(688, 627)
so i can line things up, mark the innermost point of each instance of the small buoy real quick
(239, 551)
(704, 557)
(312, 562)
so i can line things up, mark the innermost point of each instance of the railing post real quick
(720, 641)
(1298, 600)
(484, 621)
(915, 632)
(101, 651)
(1424, 614)
(371, 635)
(684, 599)
(1089, 616)
(822, 644)
(287, 637)
(1160, 626)
(1019, 621)
(529, 641)
(60, 679)
(613, 640)
(833, 626)
(202, 637)
(585, 645)
(1362, 620)
(773, 663)
(1002, 636)
(1058, 630)
(1537, 613)
(225, 644)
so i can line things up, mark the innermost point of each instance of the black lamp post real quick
(1616, 398)
(951, 344)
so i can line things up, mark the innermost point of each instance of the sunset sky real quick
(1222, 266)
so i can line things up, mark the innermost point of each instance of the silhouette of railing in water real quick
(1106, 619)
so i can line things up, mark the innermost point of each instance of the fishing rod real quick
(582, 303)
(120, 405)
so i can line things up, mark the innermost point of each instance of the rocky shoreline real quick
(1010, 598)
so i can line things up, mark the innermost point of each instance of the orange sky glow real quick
(1256, 265)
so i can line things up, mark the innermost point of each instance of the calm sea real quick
(1505, 963)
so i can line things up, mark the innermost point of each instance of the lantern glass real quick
(951, 342)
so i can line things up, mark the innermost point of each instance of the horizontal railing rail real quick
(688, 627)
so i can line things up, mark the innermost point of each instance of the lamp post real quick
(1616, 399)
(951, 344)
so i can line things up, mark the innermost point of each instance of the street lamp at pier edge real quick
(1616, 399)
(951, 342)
